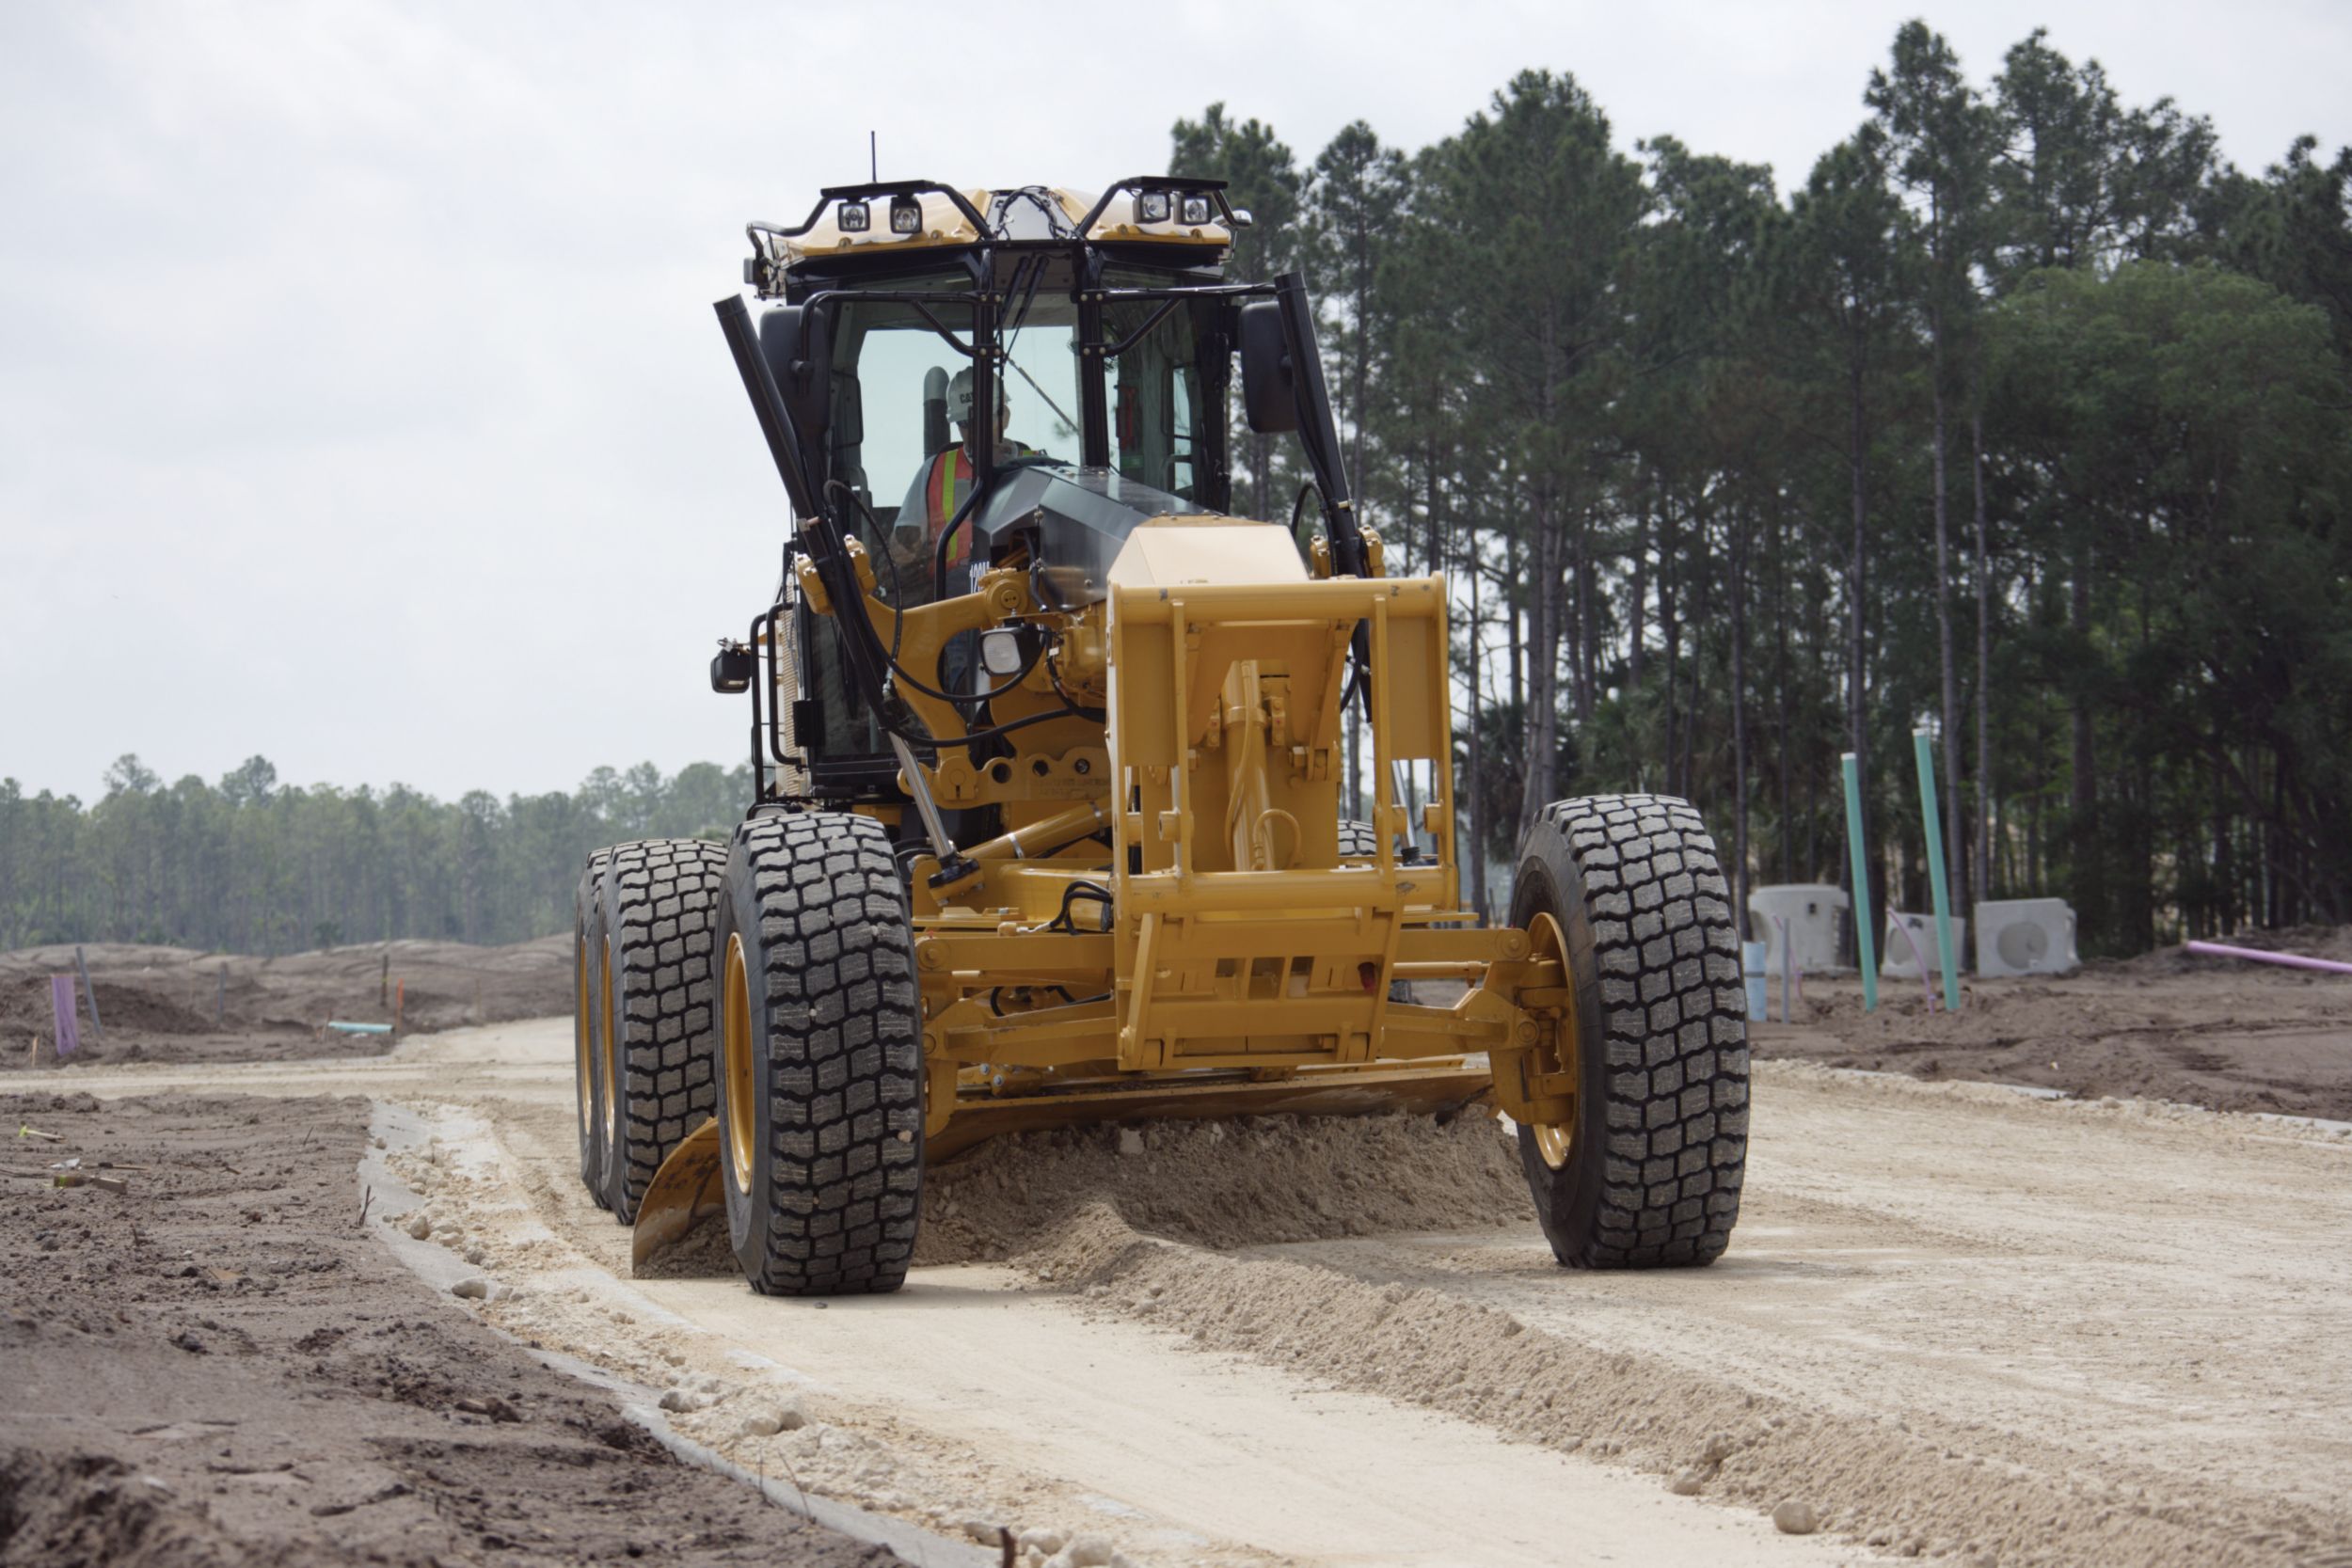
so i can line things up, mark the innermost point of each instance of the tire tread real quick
(1675, 1052)
(844, 1044)
(661, 898)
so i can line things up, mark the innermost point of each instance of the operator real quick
(939, 488)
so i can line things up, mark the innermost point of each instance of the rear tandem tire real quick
(821, 1076)
(1651, 1169)
(659, 902)
(587, 987)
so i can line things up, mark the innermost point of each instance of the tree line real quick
(2022, 419)
(250, 865)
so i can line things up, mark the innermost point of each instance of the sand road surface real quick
(1956, 1321)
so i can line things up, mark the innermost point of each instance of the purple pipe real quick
(2290, 961)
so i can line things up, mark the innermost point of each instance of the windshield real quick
(1041, 379)
(1154, 397)
(894, 401)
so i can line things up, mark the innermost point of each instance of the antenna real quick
(873, 158)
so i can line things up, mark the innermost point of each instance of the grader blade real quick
(1427, 1087)
(683, 1193)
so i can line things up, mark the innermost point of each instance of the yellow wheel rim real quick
(1555, 1141)
(735, 1033)
(579, 1032)
(604, 1021)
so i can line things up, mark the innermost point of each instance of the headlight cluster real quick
(857, 217)
(1193, 208)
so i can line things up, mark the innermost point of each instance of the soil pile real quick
(1246, 1181)
(1225, 1184)
(218, 1365)
(2221, 1033)
(177, 1004)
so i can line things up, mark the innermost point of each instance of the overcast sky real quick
(360, 403)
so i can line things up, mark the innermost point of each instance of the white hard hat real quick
(959, 397)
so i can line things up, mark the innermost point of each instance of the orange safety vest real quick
(943, 488)
(951, 470)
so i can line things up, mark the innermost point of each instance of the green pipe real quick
(1865, 941)
(1929, 818)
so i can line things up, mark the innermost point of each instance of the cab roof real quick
(1014, 214)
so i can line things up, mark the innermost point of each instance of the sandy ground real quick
(1956, 1321)
(2170, 1025)
(177, 1004)
(221, 1366)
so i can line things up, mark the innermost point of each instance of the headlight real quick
(906, 215)
(1000, 652)
(1151, 207)
(1195, 209)
(855, 217)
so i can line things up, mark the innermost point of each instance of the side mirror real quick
(731, 670)
(1269, 396)
(796, 342)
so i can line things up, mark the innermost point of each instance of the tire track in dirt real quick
(1954, 1319)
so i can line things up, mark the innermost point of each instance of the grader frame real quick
(1169, 920)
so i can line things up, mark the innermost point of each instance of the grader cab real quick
(1050, 749)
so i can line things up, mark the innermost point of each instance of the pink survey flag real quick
(62, 1005)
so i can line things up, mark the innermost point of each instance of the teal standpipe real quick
(1929, 819)
(1865, 941)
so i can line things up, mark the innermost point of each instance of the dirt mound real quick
(1226, 1184)
(174, 1003)
(92, 1511)
(1222, 1184)
(220, 1367)
(2220, 1033)
(2333, 942)
(24, 1007)
(1904, 1490)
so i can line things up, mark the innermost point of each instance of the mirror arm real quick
(768, 405)
(1317, 430)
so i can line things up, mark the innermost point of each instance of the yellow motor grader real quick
(1050, 750)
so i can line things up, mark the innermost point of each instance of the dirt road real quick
(1955, 1320)
(216, 1366)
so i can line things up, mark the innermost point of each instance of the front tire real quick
(820, 1086)
(659, 901)
(1649, 1173)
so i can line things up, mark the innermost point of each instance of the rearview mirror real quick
(1267, 394)
(796, 342)
(731, 668)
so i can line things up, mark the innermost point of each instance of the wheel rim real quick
(580, 1033)
(1555, 1141)
(735, 1031)
(604, 1094)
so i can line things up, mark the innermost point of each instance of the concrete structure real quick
(1894, 960)
(2024, 936)
(1816, 914)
